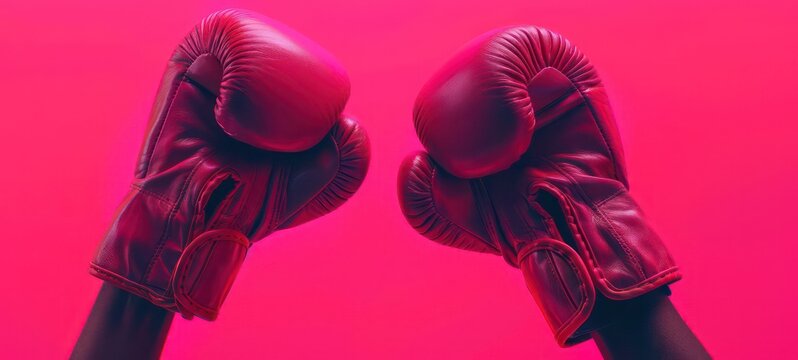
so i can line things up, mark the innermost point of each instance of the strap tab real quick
(206, 271)
(561, 286)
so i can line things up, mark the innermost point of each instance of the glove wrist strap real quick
(561, 286)
(206, 270)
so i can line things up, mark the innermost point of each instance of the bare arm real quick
(122, 326)
(651, 330)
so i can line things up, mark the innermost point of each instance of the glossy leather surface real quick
(246, 137)
(525, 161)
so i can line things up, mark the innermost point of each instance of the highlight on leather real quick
(475, 115)
(274, 86)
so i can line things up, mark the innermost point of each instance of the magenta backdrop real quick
(705, 98)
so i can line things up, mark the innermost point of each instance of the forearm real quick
(123, 326)
(652, 330)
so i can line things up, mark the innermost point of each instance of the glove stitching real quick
(561, 331)
(626, 248)
(553, 269)
(604, 136)
(556, 102)
(582, 291)
(133, 287)
(613, 231)
(283, 173)
(224, 209)
(666, 276)
(168, 223)
(142, 190)
(203, 310)
(255, 220)
(488, 215)
(189, 289)
(159, 246)
(613, 196)
(161, 123)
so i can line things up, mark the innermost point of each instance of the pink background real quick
(705, 96)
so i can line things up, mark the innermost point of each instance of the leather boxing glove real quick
(246, 137)
(524, 160)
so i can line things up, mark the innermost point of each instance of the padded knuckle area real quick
(476, 115)
(276, 89)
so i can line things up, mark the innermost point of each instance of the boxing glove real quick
(246, 137)
(525, 161)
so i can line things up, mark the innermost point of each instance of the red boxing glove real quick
(525, 161)
(246, 137)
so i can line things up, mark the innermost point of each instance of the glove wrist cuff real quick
(135, 288)
(202, 277)
(562, 287)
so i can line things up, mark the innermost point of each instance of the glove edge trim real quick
(564, 333)
(132, 287)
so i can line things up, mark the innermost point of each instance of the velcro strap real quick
(561, 286)
(206, 271)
